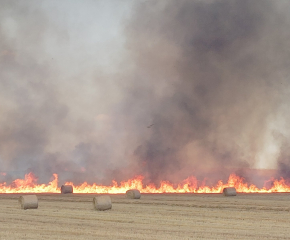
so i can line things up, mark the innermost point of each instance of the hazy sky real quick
(58, 55)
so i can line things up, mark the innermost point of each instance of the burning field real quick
(154, 216)
(173, 100)
(190, 185)
(189, 210)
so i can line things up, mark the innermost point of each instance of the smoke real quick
(56, 89)
(187, 87)
(210, 76)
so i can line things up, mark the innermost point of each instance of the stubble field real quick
(154, 216)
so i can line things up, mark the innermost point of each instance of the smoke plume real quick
(209, 79)
(193, 88)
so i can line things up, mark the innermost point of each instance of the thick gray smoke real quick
(209, 79)
(195, 92)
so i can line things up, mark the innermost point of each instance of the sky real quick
(102, 90)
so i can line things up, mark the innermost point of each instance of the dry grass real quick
(166, 216)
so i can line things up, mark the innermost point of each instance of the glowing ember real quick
(189, 185)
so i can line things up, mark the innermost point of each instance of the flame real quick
(189, 185)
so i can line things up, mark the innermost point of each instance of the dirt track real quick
(165, 216)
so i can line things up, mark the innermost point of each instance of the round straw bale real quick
(229, 191)
(66, 189)
(28, 202)
(133, 193)
(102, 203)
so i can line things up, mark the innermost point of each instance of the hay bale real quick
(229, 191)
(133, 193)
(102, 203)
(28, 202)
(66, 189)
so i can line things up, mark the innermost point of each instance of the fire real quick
(189, 185)
(29, 185)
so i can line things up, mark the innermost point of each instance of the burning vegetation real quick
(189, 185)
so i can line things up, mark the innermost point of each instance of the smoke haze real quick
(170, 89)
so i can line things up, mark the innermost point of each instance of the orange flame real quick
(189, 185)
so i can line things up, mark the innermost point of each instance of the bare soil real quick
(154, 216)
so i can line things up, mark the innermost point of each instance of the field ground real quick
(160, 216)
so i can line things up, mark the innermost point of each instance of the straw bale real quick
(102, 203)
(133, 193)
(28, 202)
(229, 191)
(66, 189)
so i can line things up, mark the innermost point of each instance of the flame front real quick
(189, 185)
